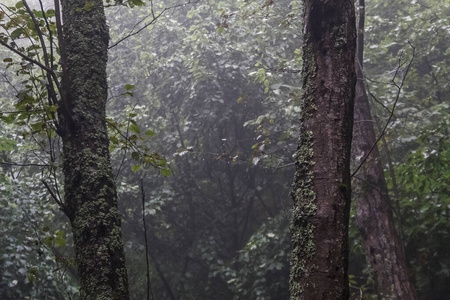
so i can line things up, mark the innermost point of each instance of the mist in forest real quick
(203, 121)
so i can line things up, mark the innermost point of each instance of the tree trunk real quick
(374, 218)
(89, 187)
(321, 194)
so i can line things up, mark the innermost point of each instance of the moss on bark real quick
(90, 191)
(321, 206)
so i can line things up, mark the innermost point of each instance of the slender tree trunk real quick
(384, 250)
(321, 194)
(90, 191)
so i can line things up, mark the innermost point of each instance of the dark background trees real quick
(215, 92)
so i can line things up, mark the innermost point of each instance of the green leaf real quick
(149, 159)
(150, 133)
(31, 274)
(7, 60)
(135, 155)
(129, 87)
(52, 108)
(134, 128)
(19, 4)
(88, 5)
(24, 98)
(7, 144)
(60, 238)
(166, 172)
(38, 14)
(36, 126)
(16, 33)
(50, 13)
(8, 119)
(114, 140)
(133, 3)
(135, 168)
(48, 241)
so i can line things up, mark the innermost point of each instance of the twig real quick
(155, 18)
(399, 89)
(377, 101)
(39, 32)
(149, 284)
(29, 59)
(284, 166)
(22, 165)
(49, 33)
(58, 201)
(9, 82)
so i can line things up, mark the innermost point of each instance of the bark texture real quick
(321, 193)
(384, 250)
(90, 191)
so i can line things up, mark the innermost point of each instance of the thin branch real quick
(399, 89)
(66, 83)
(377, 101)
(155, 18)
(29, 59)
(9, 82)
(52, 98)
(133, 145)
(58, 201)
(282, 70)
(380, 192)
(49, 33)
(122, 161)
(149, 284)
(284, 166)
(22, 165)
(39, 32)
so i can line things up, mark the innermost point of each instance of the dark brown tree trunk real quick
(374, 218)
(89, 187)
(321, 194)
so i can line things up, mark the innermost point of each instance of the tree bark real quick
(384, 250)
(89, 187)
(321, 193)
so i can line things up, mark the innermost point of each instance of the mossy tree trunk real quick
(384, 250)
(321, 191)
(89, 187)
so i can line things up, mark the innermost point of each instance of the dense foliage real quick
(203, 123)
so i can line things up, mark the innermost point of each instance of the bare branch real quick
(50, 35)
(57, 200)
(399, 89)
(39, 32)
(155, 18)
(149, 284)
(22, 165)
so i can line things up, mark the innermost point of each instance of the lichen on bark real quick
(89, 187)
(319, 224)
(302, 231)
